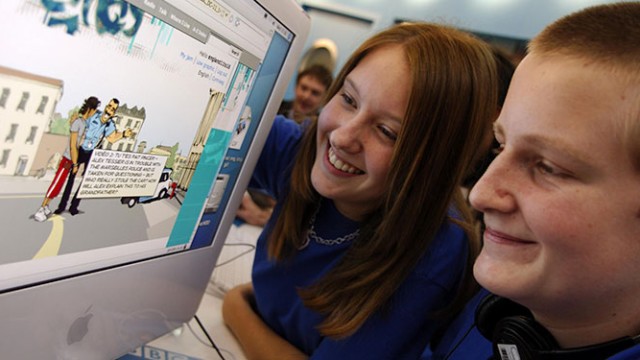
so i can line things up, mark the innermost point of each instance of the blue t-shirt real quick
(632, 353)
(402, 331)
(463, 341)
(96, 130)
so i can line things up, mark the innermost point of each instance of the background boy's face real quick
(309, 94)
(561, 202)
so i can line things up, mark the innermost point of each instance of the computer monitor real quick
(198, 83)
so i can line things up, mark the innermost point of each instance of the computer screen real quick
(128, 132)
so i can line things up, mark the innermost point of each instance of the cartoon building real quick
(127, 118)
(213, 107)
(27, 104)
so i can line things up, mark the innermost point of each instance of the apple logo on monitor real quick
(79, 327)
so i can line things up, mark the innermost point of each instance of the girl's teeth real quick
(340, 165)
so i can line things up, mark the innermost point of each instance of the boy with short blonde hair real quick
(560, 258)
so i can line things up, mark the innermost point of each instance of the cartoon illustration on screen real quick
(97, 128)
(166, 188)
(69, 162)
(241, 129)
(80, 137)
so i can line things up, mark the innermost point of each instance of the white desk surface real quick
(185, 341)
(236, 260)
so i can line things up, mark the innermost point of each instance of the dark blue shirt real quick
(463, 341)
(403, 331)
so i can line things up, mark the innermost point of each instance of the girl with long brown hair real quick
(369, 247)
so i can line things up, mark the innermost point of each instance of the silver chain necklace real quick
(312, 235)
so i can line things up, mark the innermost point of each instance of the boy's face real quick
(562, 200)
(309, 94)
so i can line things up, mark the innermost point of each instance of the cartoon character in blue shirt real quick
(98, 127)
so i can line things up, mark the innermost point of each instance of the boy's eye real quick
(548, 169)
(544, 168)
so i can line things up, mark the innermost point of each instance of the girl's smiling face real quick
(357, 131)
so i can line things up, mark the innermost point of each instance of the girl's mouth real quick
(341, 165)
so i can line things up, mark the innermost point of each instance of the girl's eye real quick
(388, 133)
(348, 99)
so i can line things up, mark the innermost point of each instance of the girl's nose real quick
(349, 136)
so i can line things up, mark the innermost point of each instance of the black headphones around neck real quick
(516, 335)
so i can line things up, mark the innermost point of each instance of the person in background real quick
(256, 207)
(371, 243)
(561, 202)
(311, 87)
(69, 161)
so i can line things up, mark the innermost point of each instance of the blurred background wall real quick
(339, 26)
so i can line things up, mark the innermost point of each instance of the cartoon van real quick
(165, 188)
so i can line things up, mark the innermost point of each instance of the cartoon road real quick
(100, 223)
